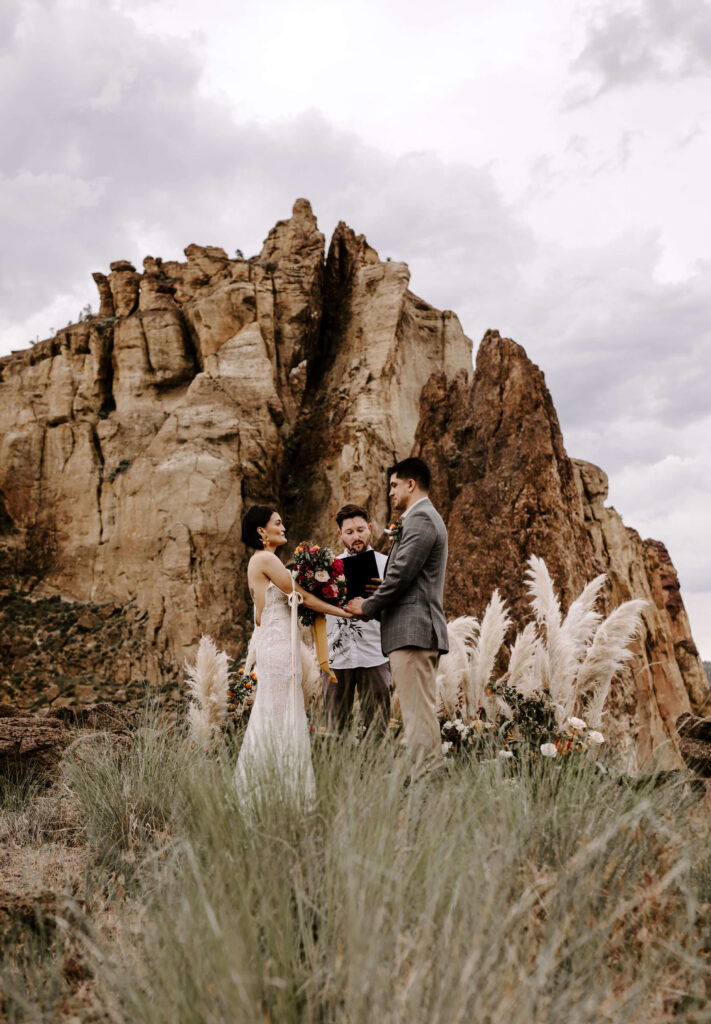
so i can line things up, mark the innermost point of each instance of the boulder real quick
(30, 744)
(695, 743)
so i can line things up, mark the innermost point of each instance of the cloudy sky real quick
(542, 167)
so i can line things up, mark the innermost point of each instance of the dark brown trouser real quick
(373, 685)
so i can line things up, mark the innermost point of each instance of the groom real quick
(409, 606)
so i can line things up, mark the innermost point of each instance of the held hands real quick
(355, 605)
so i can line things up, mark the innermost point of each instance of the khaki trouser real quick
(414, 671)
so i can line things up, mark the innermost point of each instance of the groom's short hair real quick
(350, 512)
(412, 469)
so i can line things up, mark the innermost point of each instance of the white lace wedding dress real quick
(276, 751)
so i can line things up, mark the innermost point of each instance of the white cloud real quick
(654, 40)
(118, 149)
(698, 607)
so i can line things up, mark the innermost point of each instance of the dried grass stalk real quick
(607, 654)
(207, 683)
(524, 662)
(453, 668)
(491, 636)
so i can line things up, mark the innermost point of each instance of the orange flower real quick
(253, 675)
(248, 686)
(241, 672)
(230, 693)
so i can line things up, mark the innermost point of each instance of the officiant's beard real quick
(356, 546)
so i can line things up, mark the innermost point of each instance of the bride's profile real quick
(276, 741)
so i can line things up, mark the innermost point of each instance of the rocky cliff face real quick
(508, 490)
(131, 443)
(667, 676)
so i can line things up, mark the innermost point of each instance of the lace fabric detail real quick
(276, 745)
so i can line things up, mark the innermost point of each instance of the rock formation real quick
(131, 442)
(508, 490)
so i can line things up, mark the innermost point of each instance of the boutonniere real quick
(394, 530)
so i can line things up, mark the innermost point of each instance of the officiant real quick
(354, 650)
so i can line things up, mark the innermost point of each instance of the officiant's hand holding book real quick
(361, 571)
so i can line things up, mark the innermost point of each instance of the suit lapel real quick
(391, 552)
(425, 504)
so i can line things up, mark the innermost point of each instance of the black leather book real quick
(360, 570)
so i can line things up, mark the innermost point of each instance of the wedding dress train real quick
(276, 750)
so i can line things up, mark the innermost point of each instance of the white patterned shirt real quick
(353, 643)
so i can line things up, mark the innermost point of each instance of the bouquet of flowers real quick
(319, 572)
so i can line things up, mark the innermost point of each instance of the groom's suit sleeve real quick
(413, 550)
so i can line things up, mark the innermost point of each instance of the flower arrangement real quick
(242, 689)
(394, 530)
(457, 735)
(321, 573)
(529, 732)
(550, 700)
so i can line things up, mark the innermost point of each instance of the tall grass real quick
(129, 790)
(532, 891)
(558, 893)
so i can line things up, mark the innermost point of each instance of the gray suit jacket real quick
(409, 601)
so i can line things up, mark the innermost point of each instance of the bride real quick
(277, 735)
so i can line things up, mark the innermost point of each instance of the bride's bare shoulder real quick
(261, 560)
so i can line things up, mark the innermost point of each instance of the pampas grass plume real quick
(453, 668)
(608, 652)
(207, 684)
(491, 636)
(524, 662)
(582, 620)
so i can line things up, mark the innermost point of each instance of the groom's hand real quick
(355, 605)
(371, 587)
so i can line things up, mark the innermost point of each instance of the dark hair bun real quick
(255, 517)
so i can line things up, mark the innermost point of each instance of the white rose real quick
(446, 747)
(504, 754)
(459, 725)
(447, 725)
(549, 750)
(595, 737)
(577, 723)
(340, 578)
(322, 576)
